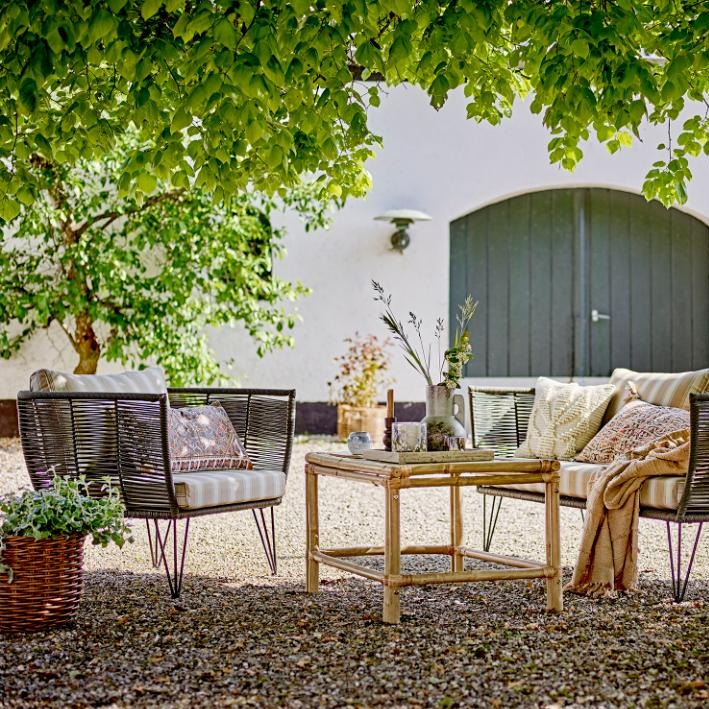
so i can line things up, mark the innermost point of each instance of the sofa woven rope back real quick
(264, 420)
(694, 506)
(499, 419)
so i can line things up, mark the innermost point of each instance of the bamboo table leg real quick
(392, 556)
(555, 601)
(457, 559)
(312, 541)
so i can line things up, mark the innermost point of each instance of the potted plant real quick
(445, 410)
(356, 387)
(42, 536)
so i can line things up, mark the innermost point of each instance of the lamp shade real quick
(405, 216)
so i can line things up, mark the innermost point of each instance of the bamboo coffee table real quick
(394, 478)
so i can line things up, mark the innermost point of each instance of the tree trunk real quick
(87, 345)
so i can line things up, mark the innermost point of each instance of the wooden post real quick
(392, 556)
(555, 602)
(457, 559)
(389, 420)
(312, 541)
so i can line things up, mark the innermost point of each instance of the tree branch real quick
(66, 332)
(112, 215)
(245, 30)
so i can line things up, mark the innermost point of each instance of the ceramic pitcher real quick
(445, 416)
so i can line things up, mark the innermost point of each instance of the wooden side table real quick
(394, 478)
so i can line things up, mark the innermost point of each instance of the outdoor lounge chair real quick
(499, 421)
(123, 436)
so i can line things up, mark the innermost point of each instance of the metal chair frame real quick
(499, 419)
(124, 437)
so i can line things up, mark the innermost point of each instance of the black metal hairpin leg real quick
(583, 515)
(268, 542)
(155, 545)
(679, 587)
(490, 522)
(174, 577)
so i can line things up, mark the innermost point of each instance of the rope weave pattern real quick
(124, 437)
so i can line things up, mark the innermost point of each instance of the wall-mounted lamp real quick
(401, 218)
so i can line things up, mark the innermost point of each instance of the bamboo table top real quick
(517, 469)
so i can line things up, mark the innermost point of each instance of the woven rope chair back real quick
(499, 418)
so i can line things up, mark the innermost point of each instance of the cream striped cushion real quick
(227, 487)
(96, 439)
(662, 492)
(145, 381)
(658, 388)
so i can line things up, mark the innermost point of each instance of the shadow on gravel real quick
(226, 643)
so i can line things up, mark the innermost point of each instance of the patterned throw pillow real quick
(564, 418)
(203, 438)
(635, 425)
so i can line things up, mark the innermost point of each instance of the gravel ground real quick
(239, 637)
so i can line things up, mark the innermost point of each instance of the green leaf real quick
(149, 8)
(146, 182)
(101, 26)
(225, 33)
(9, 209)
(580, 48)
(180, 120)
(28, 94)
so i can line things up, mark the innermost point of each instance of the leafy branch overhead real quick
(261, 94)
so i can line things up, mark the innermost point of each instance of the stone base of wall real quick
(312, 417)
(8, 418)
(317, 417)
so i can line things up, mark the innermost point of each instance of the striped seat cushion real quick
(227, 487)
(661, 493)
(657, 388)
(145, 381)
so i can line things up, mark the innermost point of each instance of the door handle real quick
(596, 316)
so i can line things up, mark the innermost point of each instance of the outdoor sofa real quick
(116, 427)
(499, 419)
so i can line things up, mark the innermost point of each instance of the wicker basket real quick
(361, 418)
(48, 578)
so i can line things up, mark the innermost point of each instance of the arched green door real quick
(580, 281)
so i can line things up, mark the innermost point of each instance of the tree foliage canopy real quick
(260, 93)
(137, 281)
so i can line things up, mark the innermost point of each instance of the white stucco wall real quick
(437, 162)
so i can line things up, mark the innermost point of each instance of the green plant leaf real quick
(149, 8)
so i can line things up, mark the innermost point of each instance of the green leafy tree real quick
(134, 279)
(259, 93)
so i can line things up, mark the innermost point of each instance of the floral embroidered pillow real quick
(635, 425)
(203, 438)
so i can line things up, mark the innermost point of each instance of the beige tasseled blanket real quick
(608, 555)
